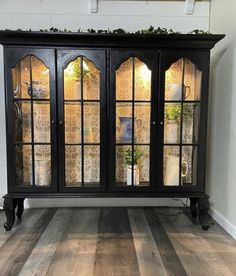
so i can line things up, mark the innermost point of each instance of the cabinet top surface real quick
(70, 39)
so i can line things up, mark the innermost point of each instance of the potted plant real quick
(172, 116)
(133, 159)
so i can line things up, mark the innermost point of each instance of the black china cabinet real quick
(106, 115)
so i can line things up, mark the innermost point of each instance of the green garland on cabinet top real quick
(150, 31)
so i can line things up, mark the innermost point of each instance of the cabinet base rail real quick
(14, 207)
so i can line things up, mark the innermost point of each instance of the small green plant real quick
(137, 154)
(173, 112)
(77, 70)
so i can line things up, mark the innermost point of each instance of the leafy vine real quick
(150, 31)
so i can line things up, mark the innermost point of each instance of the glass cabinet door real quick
(182, 100)
(131, 122)
(81, 110)
(32, 94)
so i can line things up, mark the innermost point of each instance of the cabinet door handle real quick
(161, 123)
(60, 122)
(53, 122)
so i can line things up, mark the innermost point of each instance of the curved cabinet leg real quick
(193, 206)
(203, 206)
(20, 207)
(9, 207)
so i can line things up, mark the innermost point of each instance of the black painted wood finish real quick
(107, 52)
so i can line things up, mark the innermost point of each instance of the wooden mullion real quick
(32, 122)
(82, 121)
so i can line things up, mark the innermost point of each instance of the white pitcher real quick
(172, 171)
(175, 91)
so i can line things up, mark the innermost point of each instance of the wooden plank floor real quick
(114, 242)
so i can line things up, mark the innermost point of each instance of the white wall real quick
(74, 14)
(222, 141)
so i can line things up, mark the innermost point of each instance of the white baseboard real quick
(227, 225)
(100, 202)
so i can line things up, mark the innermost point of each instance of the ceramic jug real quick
(38, 88)
(175, 92)
(172, 171)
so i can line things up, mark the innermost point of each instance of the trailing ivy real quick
(150, 31)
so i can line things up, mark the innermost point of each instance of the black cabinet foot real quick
(193, 206)
(9, 206)
(20, 207)
(203, 206)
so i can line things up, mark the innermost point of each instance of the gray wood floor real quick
(114, 241)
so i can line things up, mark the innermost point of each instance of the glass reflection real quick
(42, 122)
(191, 113)
(22, 122)
(142, 114)
(172, 123)
(171, 165)
(72, 123)
(189, 167)
(42, 163)
(73, 166)
(91, 122)
(91, 165)
(21, 76)
(23, 165)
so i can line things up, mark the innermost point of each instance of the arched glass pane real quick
(183, 81)
(81, 73)
(30, 73)
(142, 81)
(40, 79)
(192, 81)
(133, 68)
(173, 81)
(124, 80)
(21, 78)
